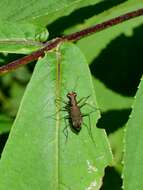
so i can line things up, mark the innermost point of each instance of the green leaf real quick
(133, 156)
(21, 37)
(110, 100)
(42, 12)
(40, 152)
(115, 109)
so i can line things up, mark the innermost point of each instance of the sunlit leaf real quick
(42, 12)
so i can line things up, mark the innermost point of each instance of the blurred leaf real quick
(116, 142)
(37, 155)
(12, 89)
(22, 75)
(5, 124)
(21, 37)
(42, 12)
(133, 156)
(11, 103)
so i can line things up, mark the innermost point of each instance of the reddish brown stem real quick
(71, 37)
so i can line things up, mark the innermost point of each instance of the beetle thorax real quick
(72, 98)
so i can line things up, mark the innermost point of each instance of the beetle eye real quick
(68, 95)
(75, 94)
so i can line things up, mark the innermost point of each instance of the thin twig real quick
(71, 37)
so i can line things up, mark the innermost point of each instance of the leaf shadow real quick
(111, 177)
(119, 66)
(78, 16)
(112, 120)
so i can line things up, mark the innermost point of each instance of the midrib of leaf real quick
(58, 84)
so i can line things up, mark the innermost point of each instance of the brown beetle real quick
(75, 115)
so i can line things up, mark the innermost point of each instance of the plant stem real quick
(71, 37)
